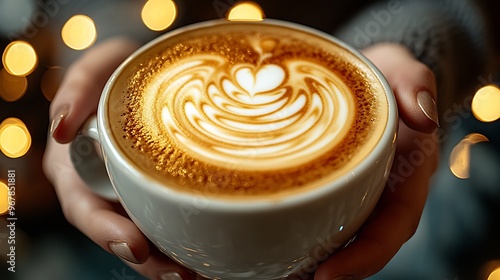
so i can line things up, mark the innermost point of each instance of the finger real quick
(413, 83)
(396, 216)
(93, 216)
(101, 220)
(160, 267)
(82, 85)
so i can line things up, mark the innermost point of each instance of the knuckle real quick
(68, 211)
(425, 72)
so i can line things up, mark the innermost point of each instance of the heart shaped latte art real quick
(250, 117)
(268, 77)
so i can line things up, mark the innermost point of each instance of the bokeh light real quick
(158, 15)
(246, 11)
(15, 139)
(486, 104)
(4, 198)
(79, 32)
(495, 274)
(12, 87)
(460, 156)
(19, 58)
(51, 80)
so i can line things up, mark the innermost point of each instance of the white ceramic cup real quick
(224, 239)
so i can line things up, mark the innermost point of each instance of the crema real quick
(247, 110)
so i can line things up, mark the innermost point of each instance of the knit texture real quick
(449, 36)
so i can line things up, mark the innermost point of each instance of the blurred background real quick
(458, 237)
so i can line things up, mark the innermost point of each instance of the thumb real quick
(412, 82)
(79, 93)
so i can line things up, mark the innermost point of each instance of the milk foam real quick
(261, 117)
(247, 111)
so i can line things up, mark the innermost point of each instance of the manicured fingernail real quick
(122, 250)
(428, 106)
(170, 276)
(345, 277)
(56, 120)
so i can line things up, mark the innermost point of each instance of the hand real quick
(398, 212)
(104, 222)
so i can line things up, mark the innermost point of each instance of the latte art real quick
(257, 116)
(247, 111)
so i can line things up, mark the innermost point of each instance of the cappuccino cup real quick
(243, 150)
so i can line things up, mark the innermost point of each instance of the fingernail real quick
(428, 106)
(345, 277)
(170, 276)
(56, 120)
(122, 250)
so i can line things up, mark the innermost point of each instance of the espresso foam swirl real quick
(254, 117)
(252, 111)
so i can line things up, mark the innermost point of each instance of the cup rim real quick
(154, 186)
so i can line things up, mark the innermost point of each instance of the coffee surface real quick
(247, 110)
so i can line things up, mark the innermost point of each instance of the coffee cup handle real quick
(84, 154)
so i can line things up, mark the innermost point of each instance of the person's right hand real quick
(104, 222)
(397, 214)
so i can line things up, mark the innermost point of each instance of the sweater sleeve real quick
(449, 36)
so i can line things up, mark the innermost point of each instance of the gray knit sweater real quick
(452, 37)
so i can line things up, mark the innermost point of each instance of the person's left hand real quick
(104, 222)
(398, 212)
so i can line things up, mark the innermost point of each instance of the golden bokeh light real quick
(158, 15)
(51, 80)
(15, 139)
(490, 270)
(246, 11)
(12, 87)
(495, 274)
(485, 105)
(79, 32)
(19, 58)
(4, 198)
(460, 156)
